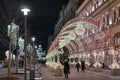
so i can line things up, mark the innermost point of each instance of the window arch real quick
(117, 39)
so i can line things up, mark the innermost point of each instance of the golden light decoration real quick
(87, 63)
(115, 65)
(97, 64)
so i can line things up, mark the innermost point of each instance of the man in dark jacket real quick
(82, 66)
(66, 68)
(77, 66)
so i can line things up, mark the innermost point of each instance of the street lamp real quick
(25, 11)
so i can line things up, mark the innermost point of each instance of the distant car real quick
(5, 64)
(1, 64)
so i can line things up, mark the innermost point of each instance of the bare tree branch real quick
(9, 9)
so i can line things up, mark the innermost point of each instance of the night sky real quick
(41, 20)
(43, 17)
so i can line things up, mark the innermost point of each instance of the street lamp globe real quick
(33, 39)
(35, 47)
(25, 11)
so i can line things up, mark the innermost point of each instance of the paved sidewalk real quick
(104, 73)
(4, 71)
(74, 75)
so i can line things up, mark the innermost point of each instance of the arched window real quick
(106, 41)
(117, 39)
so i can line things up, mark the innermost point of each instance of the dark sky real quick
(43, 17)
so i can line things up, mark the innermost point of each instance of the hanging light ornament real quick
(79, 30)
(71, 36)
(93, 31)
(82, 36)
(64, 42)
(100, 26)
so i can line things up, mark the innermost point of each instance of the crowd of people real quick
(66, 69)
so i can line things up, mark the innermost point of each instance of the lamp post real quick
(25, 11)
(30, 50)
(33, 39)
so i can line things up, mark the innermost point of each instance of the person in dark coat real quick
(66, 68)
(77, 66)
(82, 65)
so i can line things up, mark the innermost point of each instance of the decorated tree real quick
(9, 14)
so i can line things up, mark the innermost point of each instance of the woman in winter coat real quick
(66, 68)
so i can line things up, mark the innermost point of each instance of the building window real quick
(87, 13)
(106, 41)
(97, 3)
(90, 9)
(117, 39)
(100, 2)
(103, 20)
(119, 11)
(93, 8)
(107, 19)
(115, 15)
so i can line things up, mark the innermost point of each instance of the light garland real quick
(79, 30)
(97, 64)
(87, 63)
(115, 65)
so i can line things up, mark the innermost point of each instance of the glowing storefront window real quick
(118, 56)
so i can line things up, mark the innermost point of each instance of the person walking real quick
(66, 68)
(77, 66)
(21, 63)
(82, 66)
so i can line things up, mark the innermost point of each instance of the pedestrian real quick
(77, 66)
(66, 68)
(82, 65)
(21, 63)
(103, 65)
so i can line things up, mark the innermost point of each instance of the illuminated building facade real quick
(93, 35)
(108, 13)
